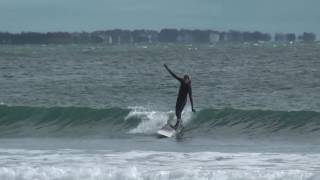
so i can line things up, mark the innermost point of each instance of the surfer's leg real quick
(178, 114)
(179, 121)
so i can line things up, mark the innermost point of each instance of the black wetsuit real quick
(184, 90)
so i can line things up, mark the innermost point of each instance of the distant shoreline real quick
(118, 36)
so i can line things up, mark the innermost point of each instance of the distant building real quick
(185, 36)
(214, 36)
(168, 35)
(144, 36)
(223, 36)
(280, 37)
(291, 37)
(307, 37)
(234, 36)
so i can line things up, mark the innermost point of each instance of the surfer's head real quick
(186, 79)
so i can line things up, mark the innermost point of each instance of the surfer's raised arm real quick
(190, 97)
(172, 74)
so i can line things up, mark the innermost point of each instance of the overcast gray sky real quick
(89, 15)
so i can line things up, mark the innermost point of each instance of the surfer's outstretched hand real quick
(193, 110)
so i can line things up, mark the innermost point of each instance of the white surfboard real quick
(168, 131)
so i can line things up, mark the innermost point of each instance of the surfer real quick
(184, 90)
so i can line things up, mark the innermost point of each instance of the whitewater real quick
(91, 112)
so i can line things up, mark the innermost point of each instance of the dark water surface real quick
(237, 76)
(91, 112)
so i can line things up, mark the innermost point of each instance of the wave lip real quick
(24, 121)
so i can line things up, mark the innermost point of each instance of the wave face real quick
(20, 121)
(256, 123)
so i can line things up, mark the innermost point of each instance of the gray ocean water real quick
(91, 111)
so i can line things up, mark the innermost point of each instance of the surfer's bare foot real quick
(177, 124)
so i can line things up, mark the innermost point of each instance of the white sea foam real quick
(154, 120)
(100, 165)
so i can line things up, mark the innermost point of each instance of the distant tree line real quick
(118, 36)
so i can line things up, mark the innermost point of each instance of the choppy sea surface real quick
(83, 112)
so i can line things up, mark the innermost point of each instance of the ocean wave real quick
(23, 121)
(145, 165)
